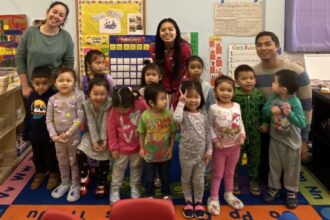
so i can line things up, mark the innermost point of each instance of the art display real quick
(12, 28)
(99, 19)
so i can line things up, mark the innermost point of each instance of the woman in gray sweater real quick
(47, 44)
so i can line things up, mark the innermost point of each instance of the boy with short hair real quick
(35, 130)
(287, 119)
(251, 101)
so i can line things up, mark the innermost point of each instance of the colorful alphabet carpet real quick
(17, 202)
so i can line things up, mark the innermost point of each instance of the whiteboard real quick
(317, 66)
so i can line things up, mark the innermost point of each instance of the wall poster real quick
(215, 44)
(241, 54)
(12, 28)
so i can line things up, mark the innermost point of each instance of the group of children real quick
(125, 126)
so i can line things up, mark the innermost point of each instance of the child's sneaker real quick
(254, 187)
(59, 191)
(73, 195)
(135, 193)
(213, 206)
(100, 192)
(271, 195)
(233, 201)
(167, 197)
(53, 181)
(114, 196)
(199, 210)
(37, 180)
(188, 210)
(291, 200)
(84, 182)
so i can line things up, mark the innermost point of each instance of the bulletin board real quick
(12, 28)
(99, 19)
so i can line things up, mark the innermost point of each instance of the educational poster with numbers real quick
(215, 45)
(127, 53)
(99, 19)
(241, 54)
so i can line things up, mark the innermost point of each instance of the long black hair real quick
(160, 47)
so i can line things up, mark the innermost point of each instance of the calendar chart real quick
(127, 54)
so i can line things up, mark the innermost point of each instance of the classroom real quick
(219, 108)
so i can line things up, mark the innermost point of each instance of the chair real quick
(58, 214)
(143, 209)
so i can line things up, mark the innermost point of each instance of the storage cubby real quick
(11, 117)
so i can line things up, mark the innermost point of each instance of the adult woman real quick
(170, 52)
(47, 44)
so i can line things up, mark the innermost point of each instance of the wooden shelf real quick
(10, 91)
(7, 131)
(6, 170)
(11, 103)
(20, 120)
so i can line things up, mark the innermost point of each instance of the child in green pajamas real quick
(251, 101)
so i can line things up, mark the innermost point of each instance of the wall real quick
(191, 16)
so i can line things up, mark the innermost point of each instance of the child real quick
(195, 67)
(287, 120)
(64, 116)
(157, 134)
(151, 73)
(195, 148)
(127, 107)
(94, 64)
(35, 130)
(228, 135)
(251, 101)
(94, 141)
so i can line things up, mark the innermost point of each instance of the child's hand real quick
(276, 110)
(207, 157)
(103, 145)
(169, 153)
(96, 147)
(64, 137)
(115, 154)
(59, 139)
(286, 108)
(141, 152)
(242, 139)
(263, 128)
(217, 144)
(183, 97)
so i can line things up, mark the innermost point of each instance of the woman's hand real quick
(26, 91)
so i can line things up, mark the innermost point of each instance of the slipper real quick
(233, 201)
